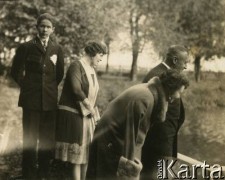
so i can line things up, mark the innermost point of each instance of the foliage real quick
(204, 107)
(14, 23)
(164, 24)
(203, 27)
(76, 21)
(138, 19)
(197, 24)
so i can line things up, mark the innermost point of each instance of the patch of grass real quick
(10, 129)
(202, 136)
(110, 87)
(204, 104)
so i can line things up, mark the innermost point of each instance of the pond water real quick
(203, 137)
(201, 149)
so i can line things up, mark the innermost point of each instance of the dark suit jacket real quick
(38, 72)
(162, 138)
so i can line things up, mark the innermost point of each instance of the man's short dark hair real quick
(45, 16)
(175, 50)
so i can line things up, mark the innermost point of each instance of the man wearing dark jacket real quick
(161, 140)
(38, 68)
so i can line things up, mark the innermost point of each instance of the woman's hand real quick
(92, 112)
(86, 103)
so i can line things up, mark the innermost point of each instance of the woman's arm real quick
(75, 74)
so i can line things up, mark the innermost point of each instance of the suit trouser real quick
(38, 142)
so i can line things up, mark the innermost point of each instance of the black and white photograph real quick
(112, 89)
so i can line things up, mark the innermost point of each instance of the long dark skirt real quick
(73, 137)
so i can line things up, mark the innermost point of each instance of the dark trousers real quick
(38, 142)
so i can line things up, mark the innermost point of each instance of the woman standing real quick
(77, 111)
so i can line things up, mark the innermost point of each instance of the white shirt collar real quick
(166, 65)
(42, 39)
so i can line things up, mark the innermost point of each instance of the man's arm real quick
(60, 65)
(18, 64)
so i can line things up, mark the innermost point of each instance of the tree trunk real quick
(197, 63)
(107, 42)
(133, 72)
(134, 18)
(107, 65)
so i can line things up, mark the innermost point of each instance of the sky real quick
(146, 61)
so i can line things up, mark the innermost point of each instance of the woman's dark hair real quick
(92, 48)
(173, 80)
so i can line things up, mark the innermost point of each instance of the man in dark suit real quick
(38, 68)
(161, 140)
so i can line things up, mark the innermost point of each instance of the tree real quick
(15, 24)
(138, 20)
(111, 17)
(107, 40)
(76, 21)
(148, 22)
(202, 23)
(197, 24)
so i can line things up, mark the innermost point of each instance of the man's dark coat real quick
(38, 73)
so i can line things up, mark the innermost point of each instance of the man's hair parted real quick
(45, 16)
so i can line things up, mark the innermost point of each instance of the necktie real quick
(45, 44)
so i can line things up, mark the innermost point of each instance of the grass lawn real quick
(202, 136)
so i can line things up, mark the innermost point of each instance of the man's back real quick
(156, 71)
